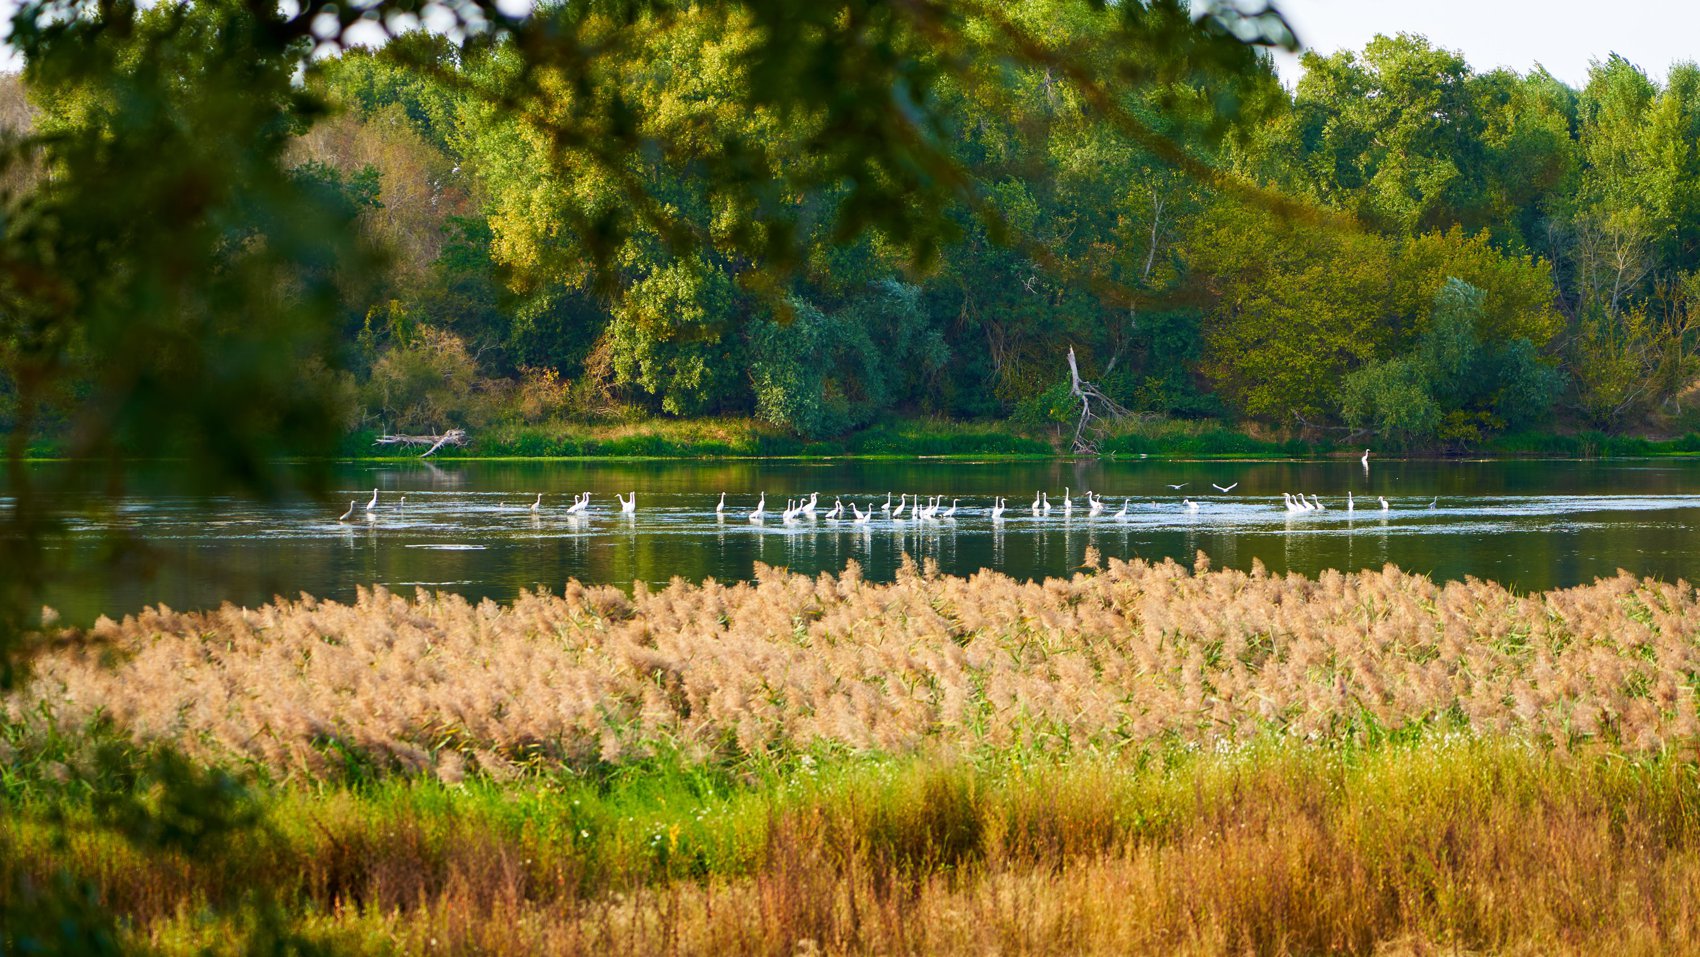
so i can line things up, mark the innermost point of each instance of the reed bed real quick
(1126, 655)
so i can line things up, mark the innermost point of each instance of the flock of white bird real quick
(928, 509)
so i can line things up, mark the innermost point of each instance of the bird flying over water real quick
(1180, 486)
(1221, 489)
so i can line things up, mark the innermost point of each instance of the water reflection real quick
(471, 526)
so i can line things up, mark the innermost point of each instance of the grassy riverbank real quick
(942, 438)
(909, 438)
(1142, 759)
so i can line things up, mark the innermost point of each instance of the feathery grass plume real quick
(1135, 653)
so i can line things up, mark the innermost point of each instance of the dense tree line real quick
(1399, 246)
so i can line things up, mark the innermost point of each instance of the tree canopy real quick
(230, 236)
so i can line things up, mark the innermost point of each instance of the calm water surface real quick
(468, 528)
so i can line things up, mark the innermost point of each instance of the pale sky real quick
(1561, 35)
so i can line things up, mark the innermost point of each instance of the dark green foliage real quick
(1452, 386)
(823, 374)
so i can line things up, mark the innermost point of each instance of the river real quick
(468, 527)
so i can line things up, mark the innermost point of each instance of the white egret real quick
(534, 505)
(861, 516)
(721, 508)
(1292, 506)
(761, 507)
(951, 511)
(886, 507)
(374, 502)
(1366, 460)
(809, 508)
(1180, 486)
(1095, 506)
(1433, 503)
(403, 502)
(1384, 505)
(1351, 506)
(1121, 516)
(1318, 503)
(1045, 506)
(902, 503)
(1068, 502)
(351, 507)
(997, 509)
(1226, 490)
(1035, 504)
(627, 506)
(1191, 505)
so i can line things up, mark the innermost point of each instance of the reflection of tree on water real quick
(246, 551)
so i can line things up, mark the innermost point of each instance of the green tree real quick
(1453, 386)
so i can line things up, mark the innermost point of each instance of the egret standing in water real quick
(721, 508)
(535, 506)
(373, 504)
(997, 509)
(627, 506)
(1384, 505)
(351, 507)
(760, 509)
(1366, 461)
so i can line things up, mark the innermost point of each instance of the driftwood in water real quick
(451, 437)
(1095, 407)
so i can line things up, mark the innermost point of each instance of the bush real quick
(425, 383)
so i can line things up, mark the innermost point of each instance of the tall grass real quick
(1142, 759)
(1446, 845)
(1133, 654)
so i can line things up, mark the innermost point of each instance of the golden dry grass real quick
(1450, 846)
(1128, 655)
